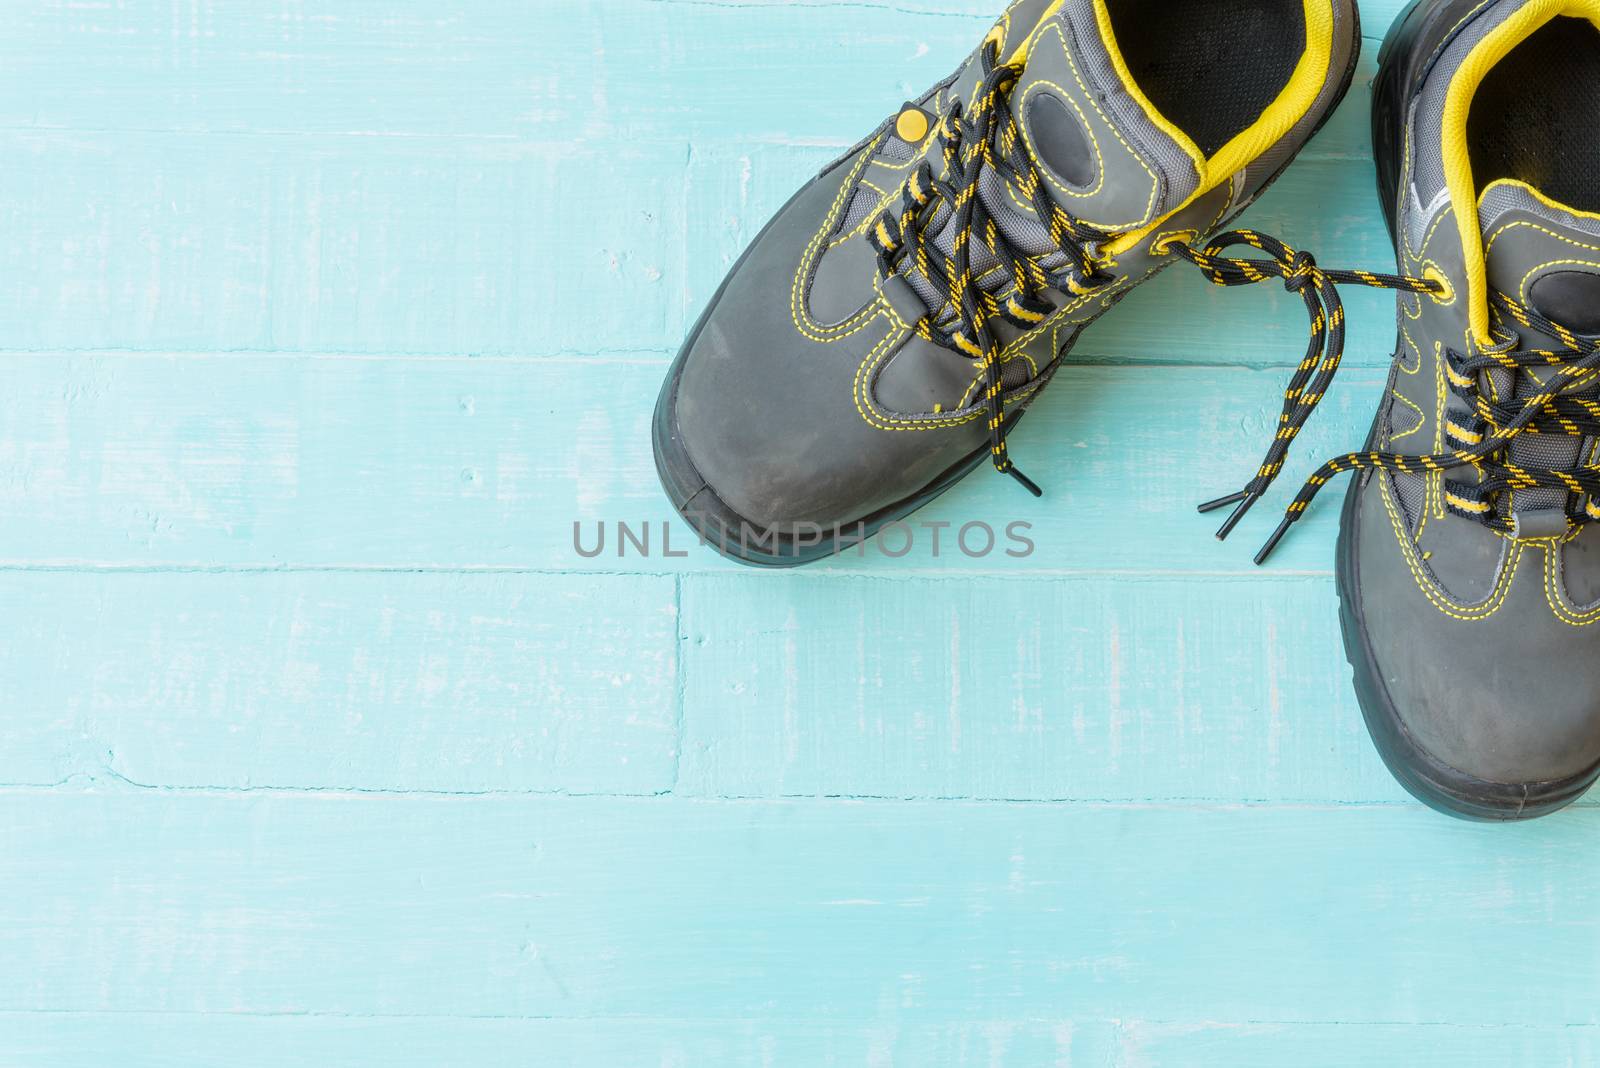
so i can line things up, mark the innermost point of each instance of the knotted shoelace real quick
(1319, 289)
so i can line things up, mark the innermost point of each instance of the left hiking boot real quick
(882, 336)
(1469, 557)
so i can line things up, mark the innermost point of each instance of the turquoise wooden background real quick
(323, 321)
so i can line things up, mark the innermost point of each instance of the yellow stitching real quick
(1088, 128)
(1433, 228)
(1555, 593)
(1422, 418)
(1435, 274)
(1522, 287)
(1020, 204)
(1155, 182)
(1409, 170)
(1409, 340)
(894, 316)
(879, 420)
(1094, 142)
(803, 322)
(919, 152)
(1418, 265)
(1010, 351)
(1158, 247)
(1435, 594)
(1524, 224)
(938, 106)
(865, 224)
(978, 378)
(1422, 267)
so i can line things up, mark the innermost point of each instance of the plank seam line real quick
(717, 146)
(652, 358)
(589, 358)
(679, 689)
(84, 783)
(1024, 1019)
(818, 574)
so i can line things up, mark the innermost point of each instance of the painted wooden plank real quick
(1268, 1045)
(1093, 688)
(138, 901)
(621, 69)
(499, 458)
(479, 68)
(360, 245)
(481, 180)
(367, 681)
(235, 461)
(130, 237)
(156, 1040)
(187, 236)
(424, 245)
(1090, 689)
(144, 1040)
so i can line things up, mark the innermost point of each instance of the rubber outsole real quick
(720, 527)
(1408, 54)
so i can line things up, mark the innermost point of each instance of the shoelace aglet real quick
(1223, 502)
(1272, 542)
(1027, 483)
(1245, 501)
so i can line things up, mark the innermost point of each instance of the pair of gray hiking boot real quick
(882, 336)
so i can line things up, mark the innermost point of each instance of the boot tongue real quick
(1547, 257)
(1542, 254)
(1112, 161)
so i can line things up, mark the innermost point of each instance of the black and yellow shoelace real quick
(1567, 402)
(1319, 289)
(987, 139)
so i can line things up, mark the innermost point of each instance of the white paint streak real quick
(1274, 695)
(1117, 714)
(1180, 680)
(791, 689)
(954, 715)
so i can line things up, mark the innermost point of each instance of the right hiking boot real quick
(1471, 586)
(882, 336)
(1469, 555)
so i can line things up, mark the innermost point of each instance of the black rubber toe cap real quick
(1490, 712)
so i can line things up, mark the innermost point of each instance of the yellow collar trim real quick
(1306, 84)
(1499, 42)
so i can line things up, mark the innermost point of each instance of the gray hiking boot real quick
(1469, 562)
(887, 329)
